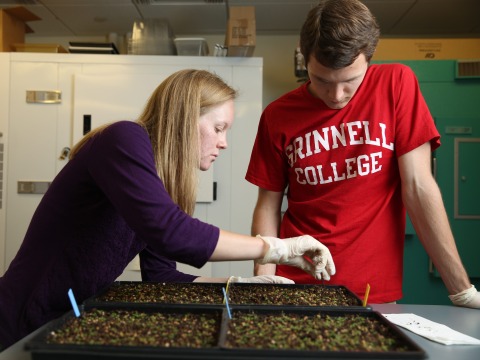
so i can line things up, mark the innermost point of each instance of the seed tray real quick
(318, 295)
(217, 340)
(146, 294)
(298, 333)
(128, 293)
(106, 333)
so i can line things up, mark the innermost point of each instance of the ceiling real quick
(397, 18)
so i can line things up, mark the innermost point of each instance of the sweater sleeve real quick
(157, 268)
(122, 164)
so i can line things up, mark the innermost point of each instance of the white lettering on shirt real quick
(362, 165)
(330, 138)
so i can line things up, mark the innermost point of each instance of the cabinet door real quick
(4, 107)
(32, 150)
(458, 176)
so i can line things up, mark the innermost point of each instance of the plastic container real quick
(146, 294)
(152, 37)
(318, 295)
(128, 293)
(298, 333)
(191, 46)
(109, 335)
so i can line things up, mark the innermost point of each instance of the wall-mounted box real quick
(427, 49)
(13, 26)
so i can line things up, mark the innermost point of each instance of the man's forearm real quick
(267, 269)
(266, 221)
(431, 223)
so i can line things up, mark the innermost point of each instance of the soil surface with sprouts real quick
(312, 332)
(238, 294)
(139, 328)
(264, 294)
(247, 329)
(167, 293)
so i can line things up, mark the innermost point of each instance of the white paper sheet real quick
(431, 330)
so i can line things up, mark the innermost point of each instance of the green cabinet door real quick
(458, 175)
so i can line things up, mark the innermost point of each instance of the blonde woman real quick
(131, 186)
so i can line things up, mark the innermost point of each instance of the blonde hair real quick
(170, 118)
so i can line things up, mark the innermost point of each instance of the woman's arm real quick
(272, 250)
(232, 246)
(155, 267)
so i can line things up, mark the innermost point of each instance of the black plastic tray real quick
(212, 294)
(294, 295)
(304, 319)
(159, 294)
(41, 350)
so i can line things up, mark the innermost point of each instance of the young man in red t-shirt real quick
(353, 147)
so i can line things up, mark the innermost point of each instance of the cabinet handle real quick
(64, 154)
(44, 96)
(32, 187)
(87, 124)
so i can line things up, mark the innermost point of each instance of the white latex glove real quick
(261, 279)
(467, 298)
(290, 252)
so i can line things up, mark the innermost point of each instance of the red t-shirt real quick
(342, 174)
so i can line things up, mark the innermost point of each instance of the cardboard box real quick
(240, 38)
(427, 49)
(13, 26)
(43, 48)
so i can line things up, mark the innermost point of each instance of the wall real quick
(427, 49)
(277, 53)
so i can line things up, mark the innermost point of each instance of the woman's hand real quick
(291, 251)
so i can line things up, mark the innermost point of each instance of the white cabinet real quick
(110, 88)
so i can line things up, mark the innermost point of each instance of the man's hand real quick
(291, 251)
(467, 298)
(261, 279)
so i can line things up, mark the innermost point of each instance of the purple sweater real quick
(103, 208)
